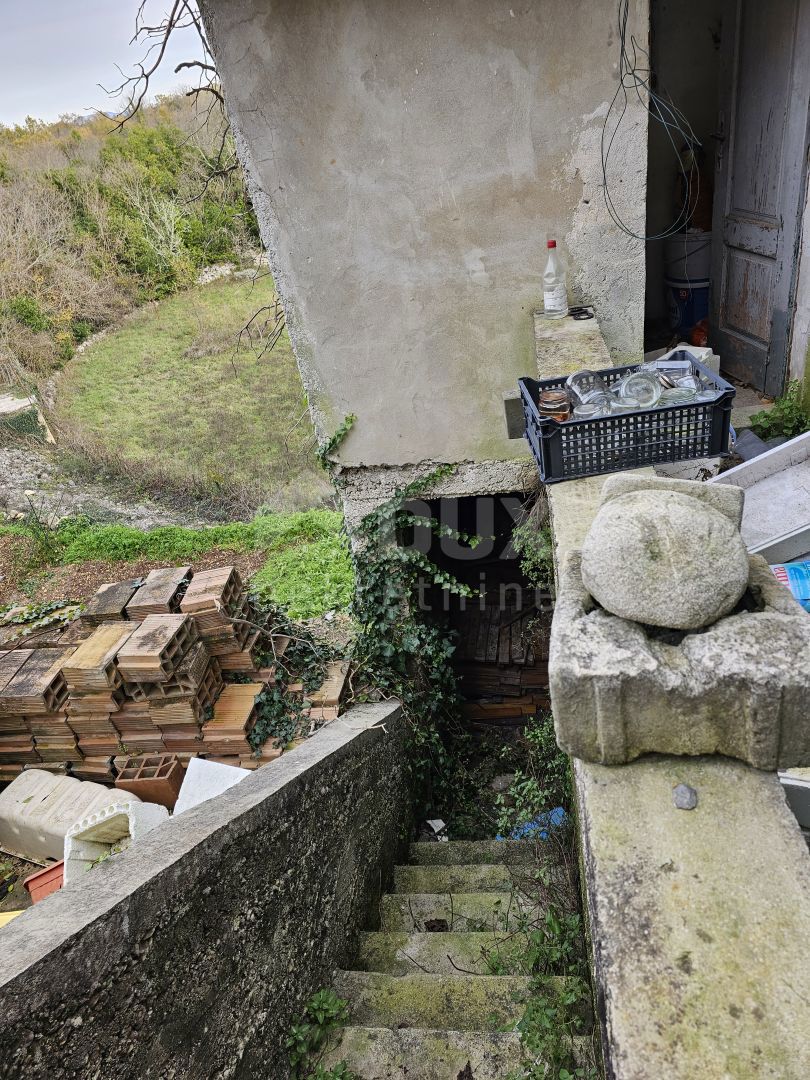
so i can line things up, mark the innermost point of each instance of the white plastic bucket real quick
(688, 257)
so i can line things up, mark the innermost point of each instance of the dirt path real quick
(30, 477)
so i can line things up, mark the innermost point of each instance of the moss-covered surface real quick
(453, 1002)
(441, 954)
(461, 911)
(406, 1054)
(464, 852)
(442, 879)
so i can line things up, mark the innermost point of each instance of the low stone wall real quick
(192, 953)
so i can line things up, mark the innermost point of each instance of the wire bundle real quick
(634, 76)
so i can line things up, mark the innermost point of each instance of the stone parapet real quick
(699, 920)
(192, 953)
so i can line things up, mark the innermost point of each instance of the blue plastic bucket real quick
(687, 302)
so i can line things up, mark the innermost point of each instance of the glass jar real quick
(554, 405)
(586, 387)
(641, 387)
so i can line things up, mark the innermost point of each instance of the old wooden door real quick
(759, 185)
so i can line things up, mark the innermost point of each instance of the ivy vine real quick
(399, 652)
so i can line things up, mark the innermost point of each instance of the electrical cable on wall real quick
(633, 77)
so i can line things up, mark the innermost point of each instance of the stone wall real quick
(407, 163)
(191, 954)
(699, 920)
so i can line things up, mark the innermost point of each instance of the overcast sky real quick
(54, 53)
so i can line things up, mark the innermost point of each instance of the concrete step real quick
(475, 911)
(477, 852)
(467, 878)
(441, 954)
(452, 1002)
(425, 1054)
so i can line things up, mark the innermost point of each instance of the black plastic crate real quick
(576, 448)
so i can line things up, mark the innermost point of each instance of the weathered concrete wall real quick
(190, 954)
(408, 162)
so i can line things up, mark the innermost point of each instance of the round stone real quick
(664, 559)
(684, 797)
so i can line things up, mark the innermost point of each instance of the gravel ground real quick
(28, 477)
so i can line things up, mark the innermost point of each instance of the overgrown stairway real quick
(424, 1002)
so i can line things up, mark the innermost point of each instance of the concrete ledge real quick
(699, 921)
(191, 953)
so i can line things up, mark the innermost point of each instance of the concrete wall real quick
(191, 953)
(408, 162)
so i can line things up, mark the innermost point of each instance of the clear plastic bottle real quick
(555, 294)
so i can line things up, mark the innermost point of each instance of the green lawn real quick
(307, 568)
(166, 395)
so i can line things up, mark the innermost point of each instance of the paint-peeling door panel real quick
(761, 159)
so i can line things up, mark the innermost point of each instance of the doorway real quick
(739, 71)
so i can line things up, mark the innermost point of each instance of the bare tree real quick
(265, 327)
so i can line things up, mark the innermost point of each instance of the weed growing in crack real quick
(325, 1014)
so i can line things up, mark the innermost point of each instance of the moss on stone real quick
(453, 1002)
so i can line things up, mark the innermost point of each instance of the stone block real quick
(740, 687)
(729, 503)
(564, 346)
(513, 414)
(112, 827)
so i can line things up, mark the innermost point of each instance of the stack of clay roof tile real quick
(33, 696)
(224, 616)
(176, 707)
(95, 696)
(143, 674)
(225, 735)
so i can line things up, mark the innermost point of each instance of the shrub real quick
(27, 311)
(788, 417)
(310, 579)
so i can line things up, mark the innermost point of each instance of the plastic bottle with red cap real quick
(555, 294)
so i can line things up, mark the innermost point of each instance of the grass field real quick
(299, 561)
(168, 399)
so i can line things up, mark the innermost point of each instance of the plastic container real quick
(44, 882)
(688, 256)
(687, 302)
(631, 440)
(38, 808)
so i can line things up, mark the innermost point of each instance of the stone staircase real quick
(424, 1003)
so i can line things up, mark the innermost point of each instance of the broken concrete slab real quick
(740, 687)
(112, 828)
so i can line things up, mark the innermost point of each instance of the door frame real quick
(793, 192)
